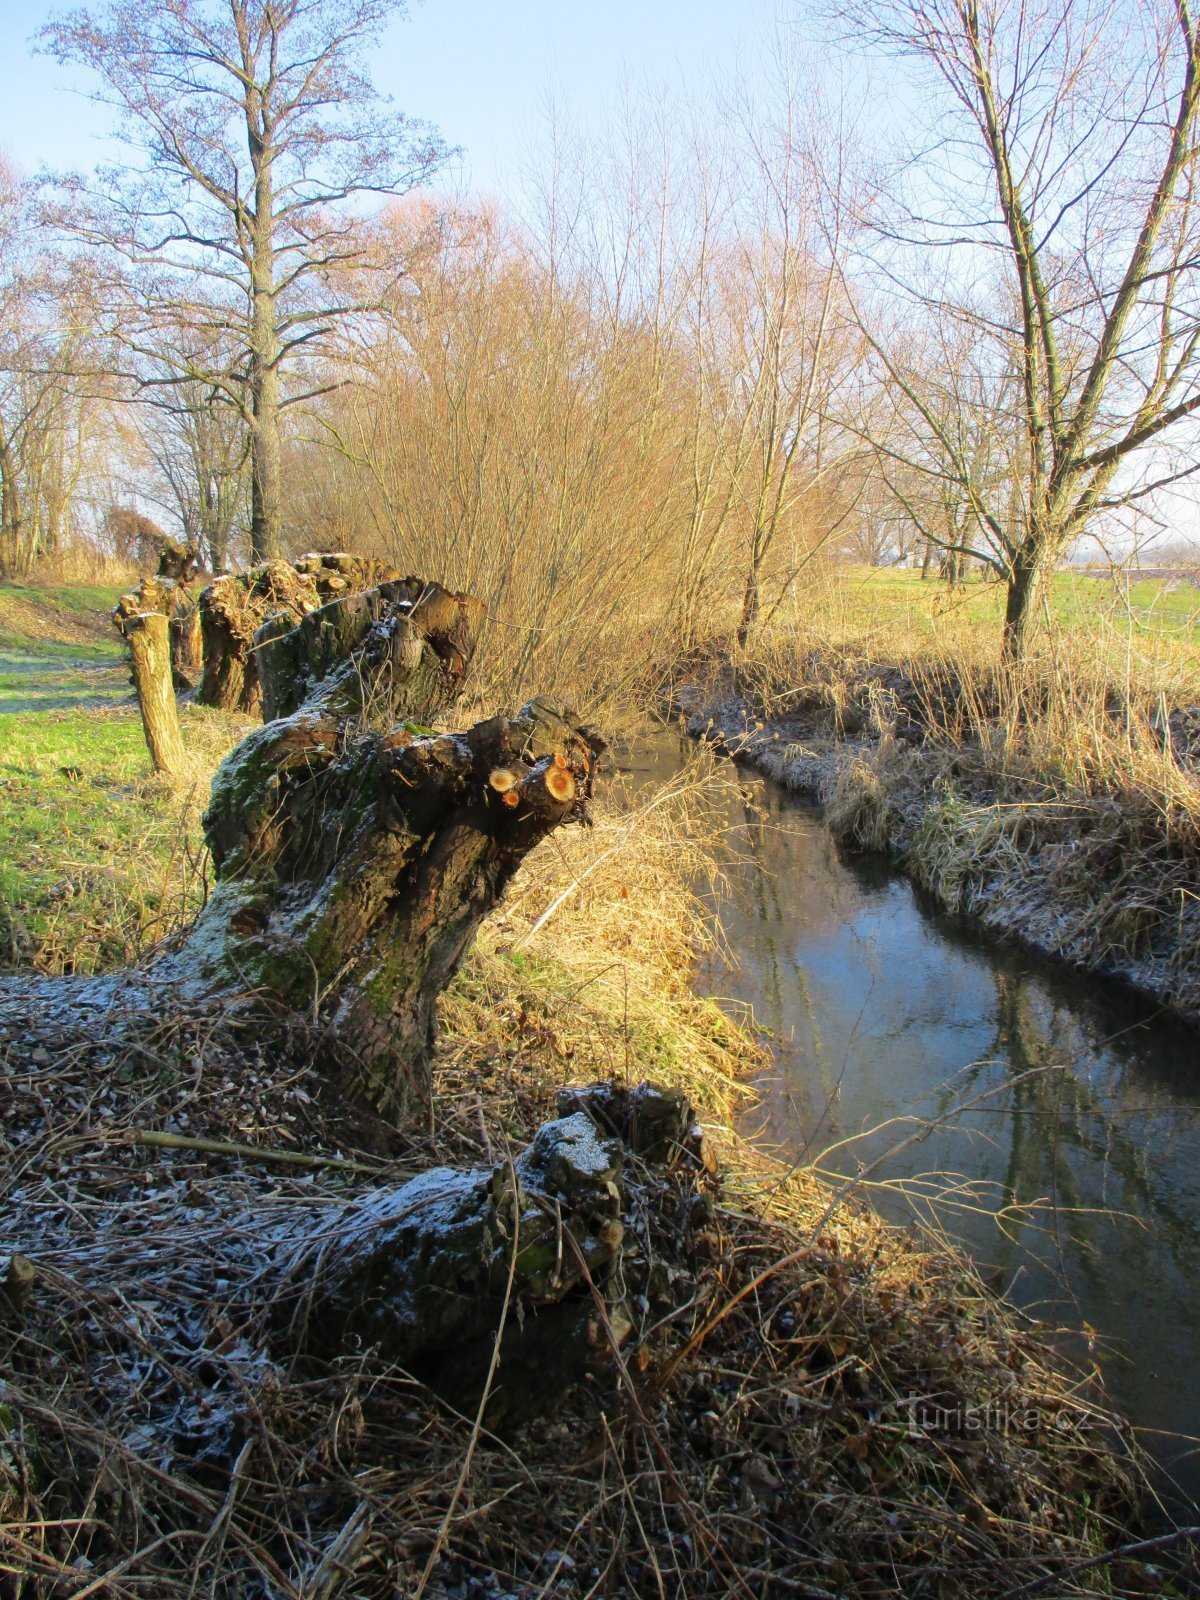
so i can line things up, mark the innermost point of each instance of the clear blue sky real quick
(479, 69)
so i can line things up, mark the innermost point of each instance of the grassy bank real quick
(1060, 806)
(98, 859)
(832, 1411)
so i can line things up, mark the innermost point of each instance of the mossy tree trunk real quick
(356, 853)
(421, 1271)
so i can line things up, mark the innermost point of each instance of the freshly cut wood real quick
(150, 655)
(356, 855)
(355, 852)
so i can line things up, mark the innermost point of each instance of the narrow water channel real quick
(1072, 1175)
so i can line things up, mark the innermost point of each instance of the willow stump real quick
(355, 852)
(234, 606)
(148, 637)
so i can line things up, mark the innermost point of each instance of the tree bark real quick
(235, 606)
(11, 520)
(293, 659)
(232, 608)
(1025, 581)
(751, 603)
(266, 462)
(150, 653)
(177, 601)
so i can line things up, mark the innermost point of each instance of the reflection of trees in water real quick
(771, 930)
(1080, 1124)
(1067, 1145)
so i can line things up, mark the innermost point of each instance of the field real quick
(97, 858)
(1159, 618)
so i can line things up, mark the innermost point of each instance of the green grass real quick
(1150, 609)
(98, 858)
(89, 601)
(59, 680)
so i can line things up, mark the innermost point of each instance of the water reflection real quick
(1078, 1153)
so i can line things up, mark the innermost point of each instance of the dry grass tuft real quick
(586, 964)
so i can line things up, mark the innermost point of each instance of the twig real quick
(1162, 1541)
(250, 1152)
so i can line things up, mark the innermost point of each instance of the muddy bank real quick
(1075, 877)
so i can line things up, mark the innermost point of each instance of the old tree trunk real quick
(147, 635)
(234, 606)
(356, 852)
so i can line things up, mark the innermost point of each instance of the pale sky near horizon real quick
(480, 70)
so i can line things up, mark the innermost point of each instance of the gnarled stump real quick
(293, 658)
(422, 1271)
(235, 606)
(356, 852)
(231, 609)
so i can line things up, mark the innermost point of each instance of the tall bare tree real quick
(252, 124)
(1048, 216)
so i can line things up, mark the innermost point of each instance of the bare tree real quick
(200, 447)
(1048, 220)
(793, 343)
(47, 403)
(937, 480)
(253, 124)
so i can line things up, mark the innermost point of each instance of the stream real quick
(1065, 1155)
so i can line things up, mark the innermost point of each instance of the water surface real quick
(1066, 1112)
